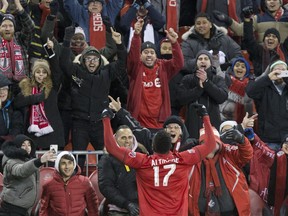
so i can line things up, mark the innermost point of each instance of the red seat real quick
(94, 180)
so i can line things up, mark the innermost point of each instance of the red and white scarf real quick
(39, 123)
(97, 31)
(171, 14)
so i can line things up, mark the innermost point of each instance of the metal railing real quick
(92, 158)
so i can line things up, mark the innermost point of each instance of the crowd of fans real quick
(154, 72)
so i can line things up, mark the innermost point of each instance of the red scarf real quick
(212, 179)
(97, 31)
(237, 94)
(171, 14)
(279, 13)
(11, 64)
(45, 13)
(39, 123)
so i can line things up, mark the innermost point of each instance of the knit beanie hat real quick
(277, 63)
(79, 30)
(41, 63)
(9, 17)
(241, 59)
(272, 31)
(285, 139)
(202, 134)
(205, 52)
(4, 81)
(147, 45)
(225, 123)
(174, 119)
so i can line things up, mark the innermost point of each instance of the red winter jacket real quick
(260, 165)
(167, 69)
(70, 198)
(231, 159)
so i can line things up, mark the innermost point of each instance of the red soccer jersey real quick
(162, 181)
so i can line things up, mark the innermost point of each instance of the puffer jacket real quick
(21, 175)
(194, 42)
(70, 198)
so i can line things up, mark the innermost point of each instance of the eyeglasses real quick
(89, 59)
(3, 89)
(173, 127)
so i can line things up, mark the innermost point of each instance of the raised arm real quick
(209, 140)
(109, 139)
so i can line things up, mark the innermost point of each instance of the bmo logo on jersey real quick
(156, 83)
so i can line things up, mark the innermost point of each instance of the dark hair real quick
(161, 142)
(68, 157)
(202, 14)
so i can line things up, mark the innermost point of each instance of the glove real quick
(133, 209)
(200, 109)
(235, 135)
(108, 113)
(107, 23)
(247, 11)
(37, 98)
(249, 133)
(69, 32)
(54, 7)
(221, 17)
(136, 4)
(214, 45)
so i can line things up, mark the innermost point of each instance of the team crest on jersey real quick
(132, 154)
(280, 153)
(191, 151)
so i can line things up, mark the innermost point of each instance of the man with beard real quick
(202, 86)
(13, 61)
(270, 95)
(148, 96)
(90, 80)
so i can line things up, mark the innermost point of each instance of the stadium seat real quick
(94, 180)
(46, 174)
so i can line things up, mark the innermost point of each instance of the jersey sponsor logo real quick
(150, 84)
